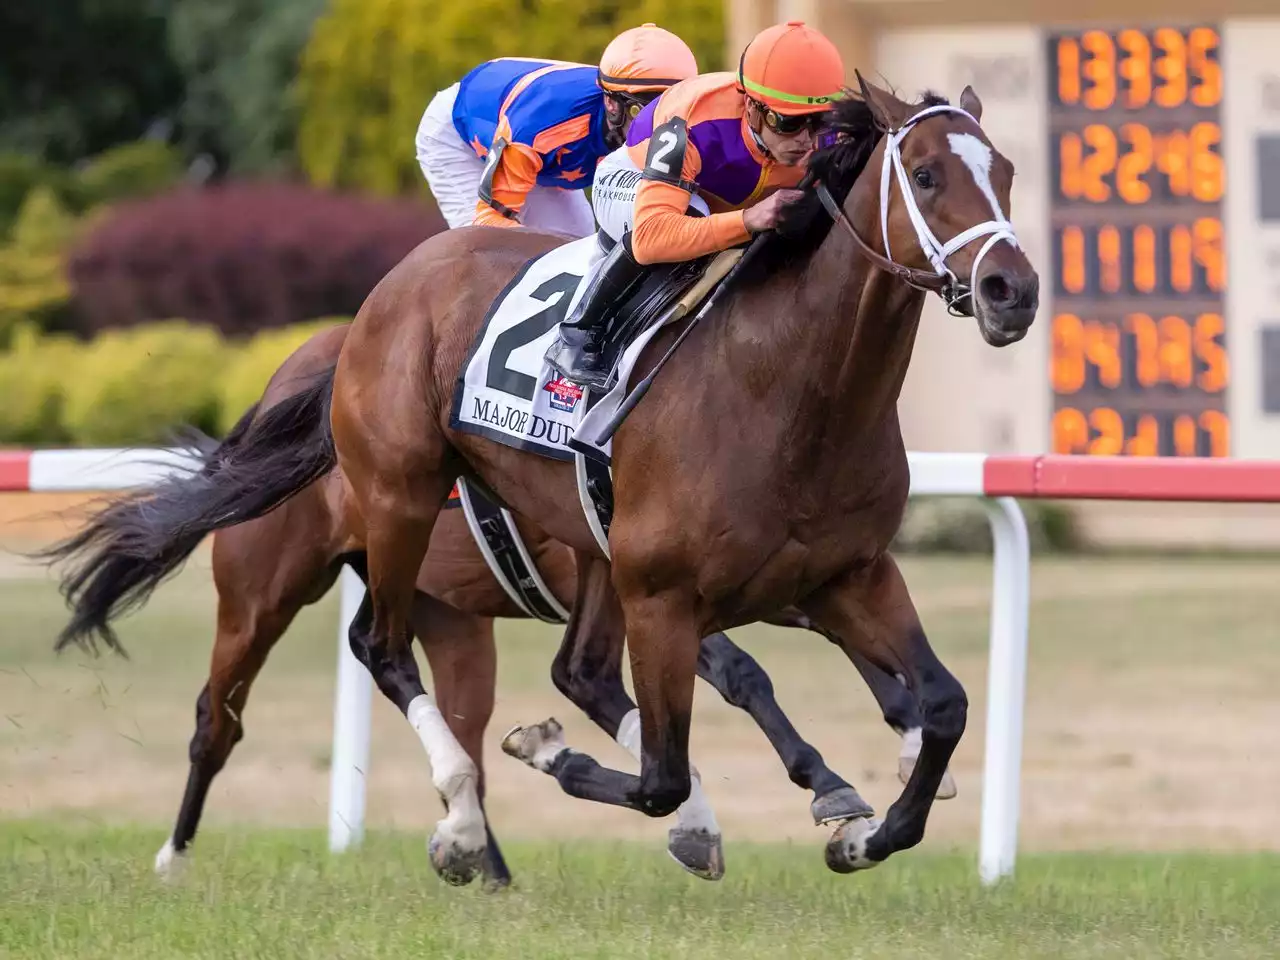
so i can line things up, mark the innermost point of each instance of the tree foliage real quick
(79, 76)
(371, 67)
(238, 58)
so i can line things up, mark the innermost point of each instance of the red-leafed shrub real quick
(241, 256)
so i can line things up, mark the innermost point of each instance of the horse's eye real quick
(923, 178)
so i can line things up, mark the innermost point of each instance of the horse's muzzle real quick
(1007, 304)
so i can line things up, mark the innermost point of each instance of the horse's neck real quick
(851, 333)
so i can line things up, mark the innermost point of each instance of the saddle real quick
(646, 302)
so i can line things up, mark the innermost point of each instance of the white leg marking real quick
(452, 772)
(695, 813)
(169, 862)
(977, 157)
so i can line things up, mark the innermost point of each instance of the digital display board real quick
(1139, 359)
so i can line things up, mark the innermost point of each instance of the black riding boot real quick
(578, 353)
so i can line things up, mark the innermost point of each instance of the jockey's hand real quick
(765, 214)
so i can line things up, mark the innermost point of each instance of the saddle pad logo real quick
(564, 394)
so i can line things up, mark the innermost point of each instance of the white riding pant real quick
(454, 172)
(613, 194)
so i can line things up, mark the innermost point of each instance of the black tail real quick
(139, 540)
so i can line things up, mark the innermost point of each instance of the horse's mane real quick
(853, 133)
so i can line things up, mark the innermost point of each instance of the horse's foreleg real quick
(743, 683)
(663, 644)
(464, 668)
(870, 610)
(588, 670)
(458, 845)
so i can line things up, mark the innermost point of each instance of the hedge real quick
(133, 387)
(240, 257)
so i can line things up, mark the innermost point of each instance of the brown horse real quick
(714, 525)
(265, 570)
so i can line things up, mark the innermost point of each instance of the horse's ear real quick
(970, 103)
(888, 111)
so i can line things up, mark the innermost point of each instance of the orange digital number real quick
(1068, 70)
(1207, 174)
(1110, 427)
(1184, 436)
(1102, 349)
(1067, 364)
(1211, 352)
(1180, 246)
(1144, 259)
(1102, 161)
(1176, 361)
(1172, 159)
(1171, 68)
(1070, 431)
(1071, 162)
(1145, 441)
(1218, 426)
(1146, 340)
(1207, 91)
(1099, 69)
(1206, 249)
(1134, 164)
(1135, 67)
(1109, 259)
(1073, 278)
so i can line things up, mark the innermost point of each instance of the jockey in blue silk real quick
(516, 141)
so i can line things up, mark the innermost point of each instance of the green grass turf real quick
(82, 891)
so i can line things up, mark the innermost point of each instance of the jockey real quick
(517, 140)
(697, 162)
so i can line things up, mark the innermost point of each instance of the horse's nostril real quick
(997, 290)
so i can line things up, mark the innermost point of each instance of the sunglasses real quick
(632, 105)
(788, 126)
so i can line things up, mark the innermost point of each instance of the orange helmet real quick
(792, 69)
(645, 59)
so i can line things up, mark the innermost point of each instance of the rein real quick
(943, 280)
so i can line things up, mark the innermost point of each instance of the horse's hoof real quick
(946, 788)
(171, 863)
(843, 803)
(698, 851)
(452, 862)
(537, 745)
(847, 849)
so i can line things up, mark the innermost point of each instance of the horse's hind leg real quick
(251, 618)
(743, 683)
(458, 845)
(896, 702)
(588, 670)
(870, 610)
(464, 672)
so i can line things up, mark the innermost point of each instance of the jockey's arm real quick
(663, 231)
(509, 174)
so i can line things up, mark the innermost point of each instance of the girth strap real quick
(508, 558)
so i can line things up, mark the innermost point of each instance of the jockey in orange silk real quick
(705, 166)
